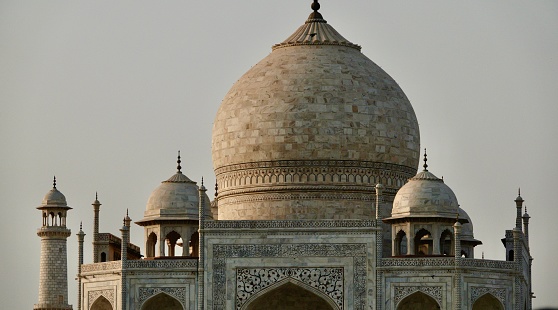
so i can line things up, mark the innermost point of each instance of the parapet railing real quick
(446, 262)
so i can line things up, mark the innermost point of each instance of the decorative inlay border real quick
(278, 164)
(403, 291)
(446, 262)
(93, 295)
(223, 251)
(162, 264)
(106, 266)
(477, 292)
(289, 224)
(327, 172)
(250, 281)
(146, 292)
(417, 262)
(291, 194)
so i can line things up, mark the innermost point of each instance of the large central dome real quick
(309, 130)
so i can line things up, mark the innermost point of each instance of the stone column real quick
(201, 256)
(124, 259)
(379, 247)
(519, 206)
(517, 257)
(81, 236)
(458, 277)
(96, 208)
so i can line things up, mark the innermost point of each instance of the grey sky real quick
(103, 94)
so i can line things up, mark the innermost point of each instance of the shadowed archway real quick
(101, 304)
(289, 296)
(162, 301)
(488, 302)
(418, 301)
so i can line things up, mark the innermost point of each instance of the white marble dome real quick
(54, 197)
(175, 199)
(315, 115)
(425, 195)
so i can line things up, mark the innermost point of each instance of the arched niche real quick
(150, 245)
(194, 245)
(418, 301)
(172, 238)
(488, 302)
(162, 301)
(447, 246)
(289, 295)
(101, 304)
(400, 245)
(423, 242)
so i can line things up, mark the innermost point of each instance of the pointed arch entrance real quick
(290, 296)
(488, 302)
(162, 301)
(101, 304)
(418, 301)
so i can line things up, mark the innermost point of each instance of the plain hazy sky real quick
(103, 94)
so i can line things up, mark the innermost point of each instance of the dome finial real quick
(315, 16)
(425, 160)
(202, 181)
(54, 182)
(178, 167)
(315, 6)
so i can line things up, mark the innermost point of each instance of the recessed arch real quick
(194, 245)
(292, 295)
(171, 239)
(400, 245)
(447, 245)
(150, 245)
(488, 302)
(162, 301)
(423, 242)
(418, 301)
(101, 303)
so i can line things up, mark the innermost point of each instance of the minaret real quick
(124, 259)
(96, 208)
(201, 255)
(458, 277)
(53, 280)
(81, 236)
(519, 206)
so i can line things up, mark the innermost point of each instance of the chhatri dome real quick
(308, 131)
(425, 195)
(177, 198)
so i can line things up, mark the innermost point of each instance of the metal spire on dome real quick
(315, 7)
(54, 182)
(178, 167)
(425, 159)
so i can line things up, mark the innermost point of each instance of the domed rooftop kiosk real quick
(309, 131)
(424, 212)
(171, 217)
